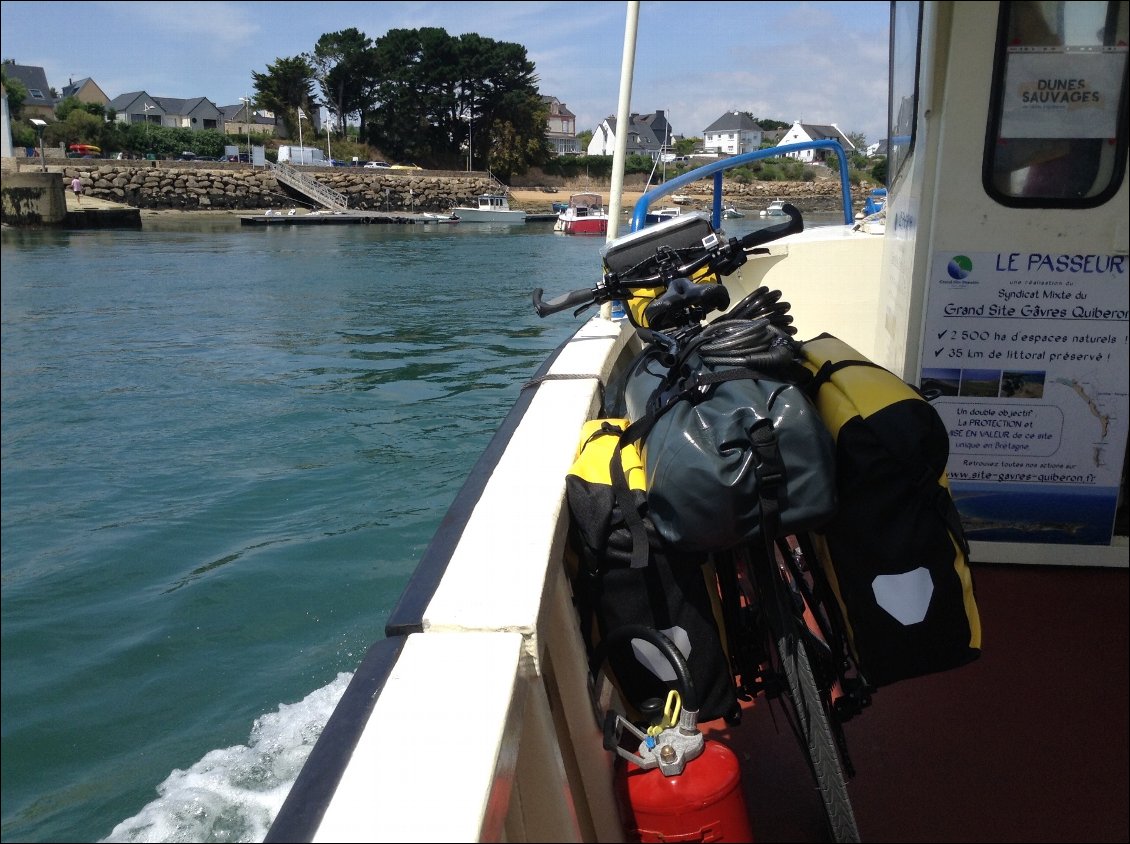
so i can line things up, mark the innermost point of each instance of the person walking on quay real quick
(76, 186)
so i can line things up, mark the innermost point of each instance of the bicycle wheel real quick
(811, 716)
(765, 599)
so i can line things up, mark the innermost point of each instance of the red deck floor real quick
(1027, 744)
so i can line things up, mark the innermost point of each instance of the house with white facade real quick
(561, 128)
(733, 133)
(648, 134)
(803, 132)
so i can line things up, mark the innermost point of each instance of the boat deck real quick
(1028, 743)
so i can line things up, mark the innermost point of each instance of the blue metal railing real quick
(716, 168)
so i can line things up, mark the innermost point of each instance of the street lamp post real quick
(301, 151)
(247, 121)
(470, 144)
(148, 107)
(40, 125)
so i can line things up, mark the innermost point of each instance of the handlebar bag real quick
(895, 553)
(667, 591)
(731, 455)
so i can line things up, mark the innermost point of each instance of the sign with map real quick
(1028, 354)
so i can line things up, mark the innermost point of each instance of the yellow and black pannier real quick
(895, 552)
(661, 589)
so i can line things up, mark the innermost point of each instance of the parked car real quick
(405, 167)
(377, 165)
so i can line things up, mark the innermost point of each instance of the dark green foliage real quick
(286, 87)
(879, 172)
(343, 65)
(421, 96)
(17, 93)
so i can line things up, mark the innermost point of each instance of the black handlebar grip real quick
(545, 307)
(794, 224)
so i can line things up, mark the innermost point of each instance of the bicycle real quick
(785, 637)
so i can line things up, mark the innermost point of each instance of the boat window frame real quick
(989, 168)
(900, 154)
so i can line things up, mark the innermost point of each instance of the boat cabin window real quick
(906, 20)
(1057, 124)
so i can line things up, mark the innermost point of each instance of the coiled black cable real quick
(763, 302)
(747, 343)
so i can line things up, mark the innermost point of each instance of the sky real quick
(816, 62)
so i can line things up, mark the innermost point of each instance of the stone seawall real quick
(220, 186)
(215, 187)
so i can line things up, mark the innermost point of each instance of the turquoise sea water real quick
(223, 451)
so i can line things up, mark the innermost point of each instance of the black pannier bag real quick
(895, 553)
(730, 442)
(666, 591)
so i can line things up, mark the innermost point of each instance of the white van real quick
(301, 155)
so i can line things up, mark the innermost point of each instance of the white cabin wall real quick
(903, 274)
(938, 205)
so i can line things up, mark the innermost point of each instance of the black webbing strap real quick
(771, 488)
(828, 368)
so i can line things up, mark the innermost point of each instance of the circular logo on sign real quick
(959, 267)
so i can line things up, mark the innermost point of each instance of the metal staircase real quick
(309, 186)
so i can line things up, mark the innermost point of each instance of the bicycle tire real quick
(816, 731)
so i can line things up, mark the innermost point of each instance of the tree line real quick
(418, 95)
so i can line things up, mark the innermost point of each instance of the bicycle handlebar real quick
(723, 260)
(545, 307)
(794, 224)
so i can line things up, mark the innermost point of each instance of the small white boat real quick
(776, 208)
(491, 208)
(680, 199)
(732, 213)
(661, 214)
(431, 218)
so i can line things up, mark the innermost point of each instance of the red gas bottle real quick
(676, 786)
(703, 803)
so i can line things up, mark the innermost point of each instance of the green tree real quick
(70, 104)
(879, 171)
(426, 97)
(17, 93)
(435, 94)
(77, 126)
(286, 87)
(343, 63)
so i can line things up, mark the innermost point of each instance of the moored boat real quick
(658, 215)
(490, 208)
(490, 609)
(774, 209)
(445, 219)
(584, 214)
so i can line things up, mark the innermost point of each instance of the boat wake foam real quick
(234, 794)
